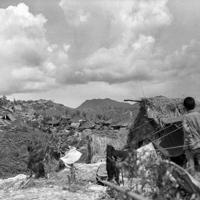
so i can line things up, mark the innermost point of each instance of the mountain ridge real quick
(108, 109)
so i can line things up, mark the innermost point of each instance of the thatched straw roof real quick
(163, 110)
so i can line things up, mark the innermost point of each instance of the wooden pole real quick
(131, 195)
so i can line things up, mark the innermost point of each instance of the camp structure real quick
(98, 141)
(159, 121)
(103, 124)
(9, 117)
(118, 126)
(53, 122)
(17, 107)
(6, 114)
(85, 124)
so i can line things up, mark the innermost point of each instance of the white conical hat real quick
(71, 156)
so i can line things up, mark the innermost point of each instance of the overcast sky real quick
(72, 50)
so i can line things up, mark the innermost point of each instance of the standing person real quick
(111, 168)
(36, 161)
(191, 127)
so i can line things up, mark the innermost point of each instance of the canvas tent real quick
(159, 121)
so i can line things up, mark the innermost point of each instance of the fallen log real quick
(130, 195)
(182, 177)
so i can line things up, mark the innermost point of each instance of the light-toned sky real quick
(72, 50)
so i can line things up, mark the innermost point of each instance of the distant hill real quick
(108, 109)
(93, 110)
(45, 107)
(99, 104)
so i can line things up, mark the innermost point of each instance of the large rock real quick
(13, 183)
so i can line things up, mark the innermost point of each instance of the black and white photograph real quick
(99, 99)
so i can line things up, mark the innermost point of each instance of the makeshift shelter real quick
(102, 122)
(9, 117)
(17, 107)
(159, 121)
(53, 122)
(118, 126)
(6, 114)
(98, 141)
(85, 124)
(75, 125)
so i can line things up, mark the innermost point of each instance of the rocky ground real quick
(57, 187)
(88, 192)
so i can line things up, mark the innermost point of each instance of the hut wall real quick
(174, 137)
(98, 144)
(141, 130)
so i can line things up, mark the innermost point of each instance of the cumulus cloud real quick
(121, 44)
(112, 42)
(115, 64)
(22, 36)
(184, 63)
(125, 42)
(25, 53)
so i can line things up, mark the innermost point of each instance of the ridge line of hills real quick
(92, 110)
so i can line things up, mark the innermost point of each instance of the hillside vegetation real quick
(41, 120)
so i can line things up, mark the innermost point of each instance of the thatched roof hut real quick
(159, 121)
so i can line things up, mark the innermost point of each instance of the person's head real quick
(29, 148)
(189, 103)
(110, 150)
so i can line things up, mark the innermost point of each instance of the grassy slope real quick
(13, 147)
